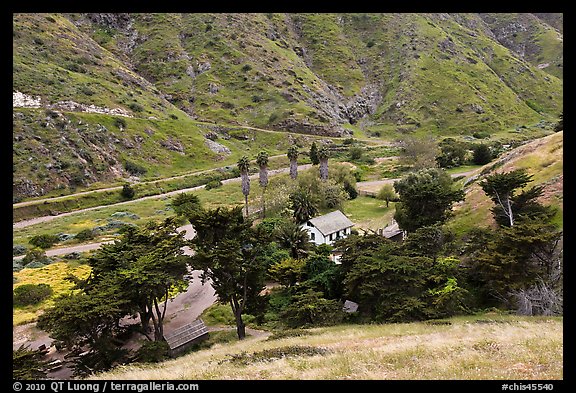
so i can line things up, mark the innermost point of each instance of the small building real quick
(328, 228)
(392, 232)
(183, 337)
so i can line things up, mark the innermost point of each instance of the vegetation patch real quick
(273, 354)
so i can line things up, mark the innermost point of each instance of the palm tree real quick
(243, 165)
(323, 155)
(303, 205)
(293, 156)
(262, 161)
(293, 237)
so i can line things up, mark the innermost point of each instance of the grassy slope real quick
(543, 158)
(474, 347)
(539, 41)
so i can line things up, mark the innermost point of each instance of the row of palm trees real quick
(262, 162)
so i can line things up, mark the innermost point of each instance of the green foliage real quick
(426, 198)
(43, 241)
(30, 294)
(134, 169)
(387, 193)
(153, 352)
(28, 364)
(18, 249)
(185, 204)
(213, 184)
(392, 286)
(314, 154)
(291, 236)
(127, 191)
(35, 255)
(509, 206)
(303, 205)
(227, 251)
(310, 308)
(119, 122)
(129, 276)
(481, 154)
(419, 153)
(512, 258)
(452, 153)
(85, 234)
(287, 271)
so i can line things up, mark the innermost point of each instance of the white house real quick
(328, 228)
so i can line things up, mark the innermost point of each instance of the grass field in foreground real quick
(488, 346)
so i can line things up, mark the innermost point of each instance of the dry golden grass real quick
(507, 347)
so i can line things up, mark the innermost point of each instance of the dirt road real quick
(38, 220)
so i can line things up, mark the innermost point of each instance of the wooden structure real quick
(183, 337)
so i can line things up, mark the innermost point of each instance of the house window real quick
(312, 236)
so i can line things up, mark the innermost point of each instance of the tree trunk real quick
(263, 203)
(324, 169)
(293, 169)
(237, 311)
(510, 214)
(246, 203)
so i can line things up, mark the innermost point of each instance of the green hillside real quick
(163, 84)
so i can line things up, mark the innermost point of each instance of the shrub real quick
(29, 294)
(213, 184)
(86, 234)
(481, 154)
(136, 107)
(43, 241)
(311, 309)
(35, 255)
(119, 122)
(134, 169)
(152, 352)
(18, 249)
(127, 192)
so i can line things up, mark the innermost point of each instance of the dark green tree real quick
(452, 153)
(426, 198)
(185, 203)
(481, 154)
(127, 191)
(430, 241)
(314, 154)
(227, 250)
(509, 206)
(511, 259)
(147, 263)
(309, 308)
(392, 286)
